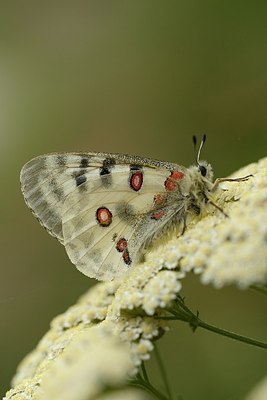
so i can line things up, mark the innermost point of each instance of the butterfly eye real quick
(203, 170)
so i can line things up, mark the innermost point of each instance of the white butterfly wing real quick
(100, 206)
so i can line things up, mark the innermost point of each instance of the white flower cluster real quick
(94, 361)
(240, 248)
(99, 342)
(149, 287)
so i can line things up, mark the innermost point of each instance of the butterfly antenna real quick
(203, 140)
(195, 146)
(194, 142)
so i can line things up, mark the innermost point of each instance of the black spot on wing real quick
(80, 176)
(84, 162)
(80, 179)
(136, 167)
(107, 165)
(105, 171)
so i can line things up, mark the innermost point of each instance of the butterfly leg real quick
(220, 180)
(218, 208)
(184, 224)
(216, 184)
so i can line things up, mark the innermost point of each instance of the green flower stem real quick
(141, 383)
(144, 383)
(232, 335)
(163, 372)
(260, 288)
(181, 312)
(145, 375)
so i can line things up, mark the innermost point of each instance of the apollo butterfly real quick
(106, 208)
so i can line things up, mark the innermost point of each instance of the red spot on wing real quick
(136, 181)
(160, 199)
(103, 216)
(126, 257)
(122, 247)
(177, 175)
(171, 182)
(158, 214)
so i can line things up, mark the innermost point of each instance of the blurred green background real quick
(136, 77)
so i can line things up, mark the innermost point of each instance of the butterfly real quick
(106, 208)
